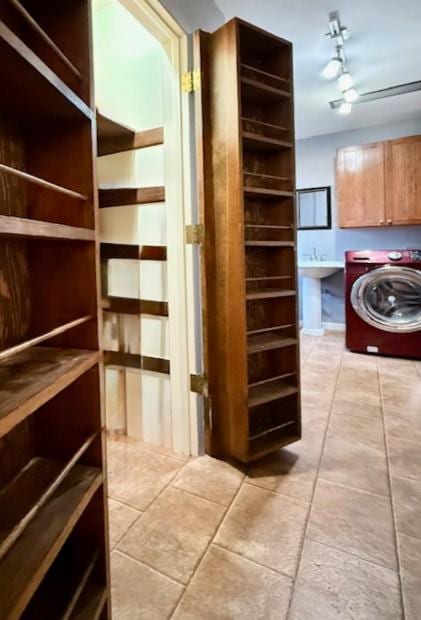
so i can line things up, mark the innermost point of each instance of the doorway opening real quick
(148, 283)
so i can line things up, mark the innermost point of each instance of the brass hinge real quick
(190, 81)
(199, 385)
(195, 234)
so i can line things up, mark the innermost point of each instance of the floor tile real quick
(174, 533)
(402, 425)
(407, 497)
(402, 395)
(356, 402)
(332, 585)
(360, 380)
(354, 521)
(359, 360)
(289, 471)
(355, 465)
(135, 476)
(359, 429)
(121, 517)
(405, 458)
(410, 557)
(391, 367)
(210, 478)
(265, 527)
(139, 593)
(227, 586)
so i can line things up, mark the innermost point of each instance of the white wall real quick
(315, 159)
(129, 77)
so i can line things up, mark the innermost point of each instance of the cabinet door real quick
(403, 181)
(360, 185)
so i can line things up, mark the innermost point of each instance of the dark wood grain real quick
(125, 305)
(115, 137)
(23, 568)
(135, 252)
(130, 196)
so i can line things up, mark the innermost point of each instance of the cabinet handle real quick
(389, 222)
(381, 222)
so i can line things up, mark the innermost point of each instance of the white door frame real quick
(182, 302)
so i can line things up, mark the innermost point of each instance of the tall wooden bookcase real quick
(247, 196)
(53, 523)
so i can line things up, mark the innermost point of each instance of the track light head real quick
(332, 68)
(345, 107)
(351, 95)
(345, 81)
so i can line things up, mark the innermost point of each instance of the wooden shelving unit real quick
(247, 192)
(52, 470)
(113, 138)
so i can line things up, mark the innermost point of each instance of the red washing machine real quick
(383, 302)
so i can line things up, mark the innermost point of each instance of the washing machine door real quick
(389, 298)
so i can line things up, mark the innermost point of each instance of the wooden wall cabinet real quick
(53, 516)
(247, 197)
(379, 184)
(403, 181)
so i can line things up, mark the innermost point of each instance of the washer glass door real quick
(389, 298)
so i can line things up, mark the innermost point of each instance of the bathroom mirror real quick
(313, 207)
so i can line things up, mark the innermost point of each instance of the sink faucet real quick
(314, 255)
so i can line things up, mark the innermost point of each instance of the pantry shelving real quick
(247, 202)
(52, 463)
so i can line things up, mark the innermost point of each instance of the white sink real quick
(319, 269)
(312, 272)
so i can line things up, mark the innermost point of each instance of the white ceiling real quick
(384, 50)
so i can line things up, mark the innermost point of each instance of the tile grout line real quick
(205, 552)
(306, 525)
(243, 557)
(151, 568)
(392, 497)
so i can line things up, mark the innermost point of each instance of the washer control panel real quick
(416, 255)
(395, 255)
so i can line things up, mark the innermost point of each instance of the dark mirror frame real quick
(307, 190)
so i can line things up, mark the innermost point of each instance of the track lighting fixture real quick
(332, 68)
(337, 66)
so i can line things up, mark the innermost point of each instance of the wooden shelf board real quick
(264, 124)
(61, 329)
(268, 226)
(31, 378)
(115, 137)
(258, 142)
(11, 226)
(270, 329)
(120, 359)
(267, 392)
(263, 192)
(30, 178)
(60, 591)
(268, 293)
(133, 252)
(261, 175)
(269, 431)
(24, 566)
(267, 341)
(90, 603)
(270, 445)
(21, 71)
(265, 73)
(268, 278)
(256, 91)
(125, 305)
(25, 496)
(285, 375)
(130, 196)
(33, 24)
(269, 244)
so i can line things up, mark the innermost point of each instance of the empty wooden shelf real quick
(134, 252)
(130, 196)
(247, 191)
(125, 305)
(115, 137)
(23, 567)
(52, 464)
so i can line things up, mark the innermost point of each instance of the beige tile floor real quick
(327, 529)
